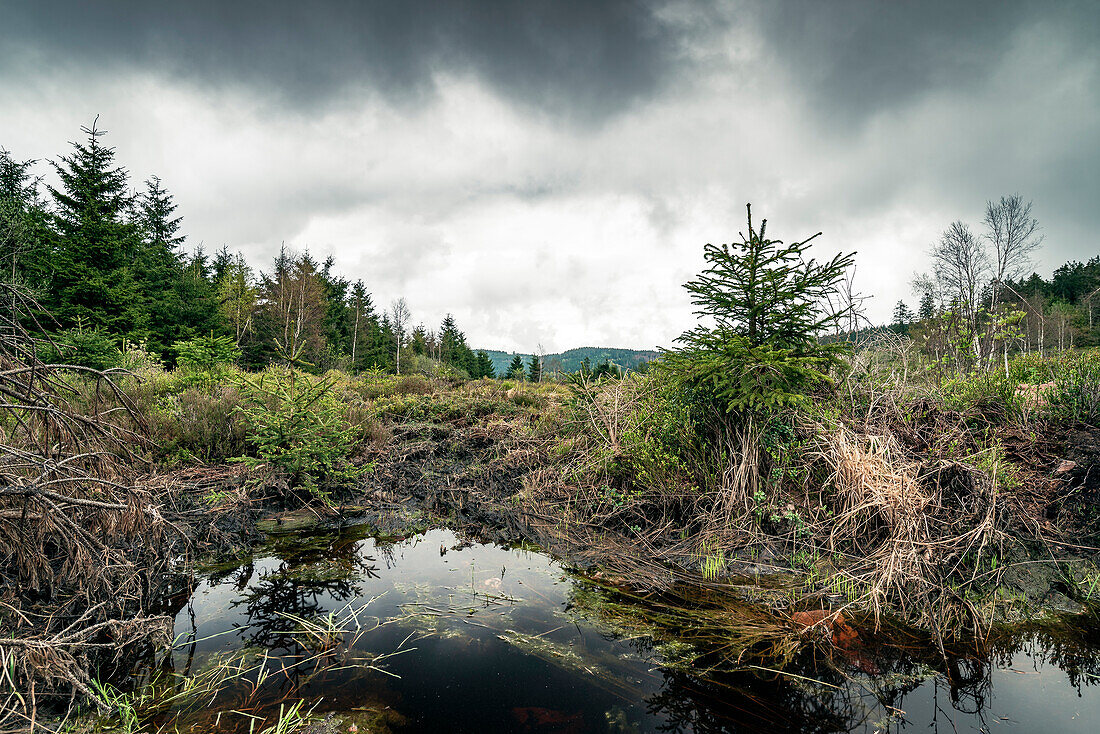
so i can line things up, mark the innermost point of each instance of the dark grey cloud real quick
(577, 59)
(855, 58)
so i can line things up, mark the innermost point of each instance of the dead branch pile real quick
(77, 539)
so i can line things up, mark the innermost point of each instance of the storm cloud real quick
(575, 58)
(549, 171)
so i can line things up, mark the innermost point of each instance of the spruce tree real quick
(337, 325)
(364, 327)
(167, 290)
(223, 261)
(534, 369)
(452, 342)
(485, 364)
(902, 318)
(515, 369)
(24, 231)
(418, 341)
(763, 301)
(453, 349)
(927, 307)
(156, 209)
(93, 282)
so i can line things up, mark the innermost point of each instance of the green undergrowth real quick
(650, 457)
(314, 434)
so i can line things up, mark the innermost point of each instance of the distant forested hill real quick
(570, 360)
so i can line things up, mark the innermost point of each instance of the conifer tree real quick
(92, 279)
(337, 325)
(515, 369)
(382, 344)
(24, 234)
(223, 260)
(453, 349)
(927, 307)
(418, 341)
(534, 369)
(902, 318)
(170, 294)
(485, 364)
(364, 327)
(451, 342)
(156, 209)
(765, 300)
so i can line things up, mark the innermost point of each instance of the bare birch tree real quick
(399, 321)
(1014, 234)
(960, 263)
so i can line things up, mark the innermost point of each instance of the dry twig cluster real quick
(71, 522)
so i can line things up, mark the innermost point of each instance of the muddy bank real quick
(480, 480)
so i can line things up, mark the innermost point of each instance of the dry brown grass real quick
(864, 503)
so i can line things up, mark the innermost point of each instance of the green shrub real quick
(1075, 395)
(988, 391)
(298, 426)
(1030, 369)
(660, 443)
(83, 348)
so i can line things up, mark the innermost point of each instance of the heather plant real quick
(199, 423)
(1075, 394)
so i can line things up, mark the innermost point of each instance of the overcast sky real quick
(549, 171)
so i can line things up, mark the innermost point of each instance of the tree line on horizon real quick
(107, 269)
(982, 300)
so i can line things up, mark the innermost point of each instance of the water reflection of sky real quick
(490, 641)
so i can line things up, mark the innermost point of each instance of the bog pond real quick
(433, 633)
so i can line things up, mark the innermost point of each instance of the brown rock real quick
(1066, 466)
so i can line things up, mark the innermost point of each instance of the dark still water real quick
(433, 634)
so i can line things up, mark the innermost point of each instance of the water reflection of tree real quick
(689, 703)
(303, 576)
(1069, 646)
(310, 579)
(841, 699)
